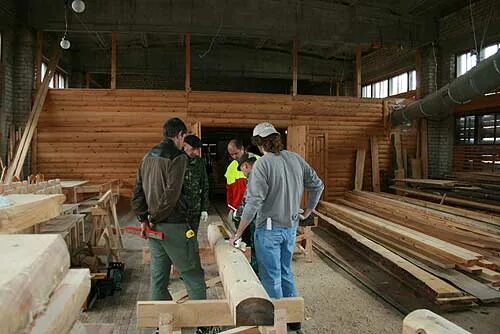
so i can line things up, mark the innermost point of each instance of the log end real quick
(255, 312)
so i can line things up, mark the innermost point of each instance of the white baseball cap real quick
(264, 129)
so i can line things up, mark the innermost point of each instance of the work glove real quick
(204, 217)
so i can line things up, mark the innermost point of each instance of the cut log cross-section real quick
(249, 303)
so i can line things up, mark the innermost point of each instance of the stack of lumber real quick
(473, 190)
(38, 291)
(40, 188)
(458, 245)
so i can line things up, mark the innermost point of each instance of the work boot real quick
(294, 326)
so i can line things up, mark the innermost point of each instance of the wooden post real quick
(375, 164)
(113, 60)
(337, 89)
(87, 79)
(358, 71)
(188, 62)
(249, 303)
(39, 59)
(295, 66)
(418, 70)
(360, 168)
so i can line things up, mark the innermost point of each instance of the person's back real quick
(159, 173)
(285, 176)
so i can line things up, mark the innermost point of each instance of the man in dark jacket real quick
(196, 183)
(160, 201)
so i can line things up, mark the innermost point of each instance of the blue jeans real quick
(274, 249)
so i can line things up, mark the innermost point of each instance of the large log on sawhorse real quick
(249, 302)
(427, 322)
(213, 312)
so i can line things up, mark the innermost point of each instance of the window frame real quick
(477, 130)
(410, 74)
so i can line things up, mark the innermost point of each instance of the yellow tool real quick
(190, 233)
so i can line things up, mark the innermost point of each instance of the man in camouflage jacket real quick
(196, 183)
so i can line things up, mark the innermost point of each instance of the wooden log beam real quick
(32, 267)
(213, 312)
(427, 322)
(65, 303)
(28, 210)
(249, 303)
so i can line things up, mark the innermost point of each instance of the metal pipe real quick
(482, 79)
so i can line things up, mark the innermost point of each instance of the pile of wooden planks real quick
(38, 291)
(473, 190)
(457, 245)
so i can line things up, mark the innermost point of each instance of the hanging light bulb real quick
(78, 6)
(65, 44)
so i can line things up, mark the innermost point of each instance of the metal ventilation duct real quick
(480, 80)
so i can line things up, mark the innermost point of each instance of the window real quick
(468, 60)
(466, 128)
(366, 91)
(479, 129)
(395, 85)
(59, 80)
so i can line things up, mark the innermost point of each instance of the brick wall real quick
(385, 62)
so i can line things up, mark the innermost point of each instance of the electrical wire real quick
(472, 23)
(100, 40)
(213, 39)
(487, 25)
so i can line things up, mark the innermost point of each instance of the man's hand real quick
(204, 217)
(233, 238)
(306, 214)
(144, 226)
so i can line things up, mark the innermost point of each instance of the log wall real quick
(101, 135)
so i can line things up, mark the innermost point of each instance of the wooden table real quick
(69, 189)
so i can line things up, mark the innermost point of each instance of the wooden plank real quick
(406, 235)
(295, 66)
(73, 183)
(397, 149)
(450, 199)
(42, 261)
(416, 168)
(215, 312)
(113, 60)
(440, 288)
(22, 149)
(484, 293)
(360, 169)
(65, 303)
(375, 164)
(28, 210)
(187, 83)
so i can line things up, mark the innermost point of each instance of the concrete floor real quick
(334, 302)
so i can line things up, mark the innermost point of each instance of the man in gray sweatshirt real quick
(274, 191)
